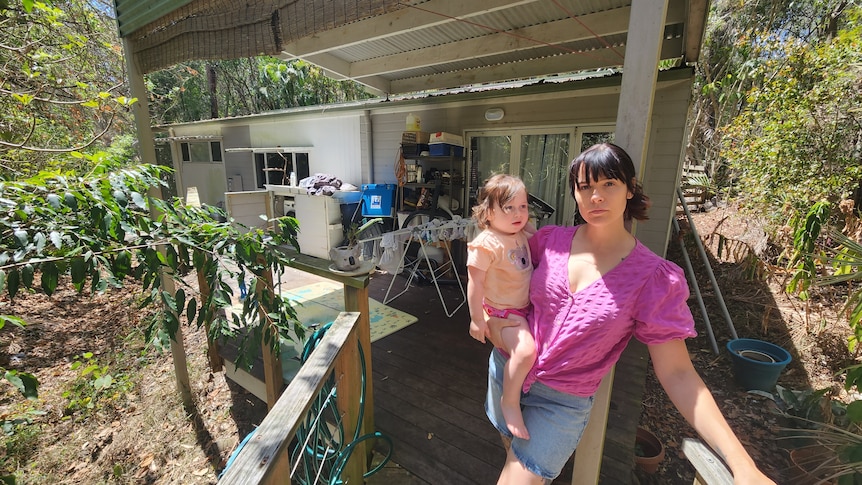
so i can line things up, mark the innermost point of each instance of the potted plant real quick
(347, 256)
(828, 437)
(649, 451)
(835, 456)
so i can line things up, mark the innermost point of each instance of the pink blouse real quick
(579, 336)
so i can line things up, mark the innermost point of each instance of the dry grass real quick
(141, 435)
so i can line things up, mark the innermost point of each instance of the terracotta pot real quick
(805, 461)
(649, 451)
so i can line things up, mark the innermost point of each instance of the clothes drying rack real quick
(437, 233)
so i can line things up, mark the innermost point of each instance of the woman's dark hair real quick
(611, 161)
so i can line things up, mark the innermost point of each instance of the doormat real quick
(319, 303)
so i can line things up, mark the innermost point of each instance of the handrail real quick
(708, 267)
(265, 459)
(689, 270)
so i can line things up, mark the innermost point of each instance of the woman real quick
(594, 286)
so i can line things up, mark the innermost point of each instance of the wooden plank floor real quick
(429, 389)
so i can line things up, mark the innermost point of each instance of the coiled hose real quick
(318, 450)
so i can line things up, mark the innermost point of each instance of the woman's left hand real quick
(496, 326)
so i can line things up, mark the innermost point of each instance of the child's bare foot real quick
(515, 421)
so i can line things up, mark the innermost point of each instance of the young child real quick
(499, 269)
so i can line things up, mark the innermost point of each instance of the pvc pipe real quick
(689, 270)
(707, 265)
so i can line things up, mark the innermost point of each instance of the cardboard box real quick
(443, 137)
(445, 150)
(415, 137)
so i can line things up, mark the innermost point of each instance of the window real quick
(201, 151)
(275, 167)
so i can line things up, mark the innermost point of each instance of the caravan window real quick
(201, 151)
(275, 167)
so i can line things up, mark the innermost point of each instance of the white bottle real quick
(293, 179)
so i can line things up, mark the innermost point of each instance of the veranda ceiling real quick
(404, 46)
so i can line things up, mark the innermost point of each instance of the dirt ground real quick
(140, 433)
(814, 334)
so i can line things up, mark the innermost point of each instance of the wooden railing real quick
(265, 458)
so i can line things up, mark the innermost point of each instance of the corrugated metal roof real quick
(397, 46)
(134, 14)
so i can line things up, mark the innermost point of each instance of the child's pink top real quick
(505, 258)
(579, 336)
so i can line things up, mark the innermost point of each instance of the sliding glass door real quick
(540, 157)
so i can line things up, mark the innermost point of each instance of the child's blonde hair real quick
(497, 190)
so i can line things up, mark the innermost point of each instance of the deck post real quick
(588, 456)
(348, 382)
(273, 379)
(356, 300)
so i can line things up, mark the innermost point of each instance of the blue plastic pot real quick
(757, 364)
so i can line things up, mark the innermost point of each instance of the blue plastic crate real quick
(445, 149)
(377, 200)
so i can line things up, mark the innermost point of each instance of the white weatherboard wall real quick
(335, 142)
(664, 164)
(360, 145)
(583, 108)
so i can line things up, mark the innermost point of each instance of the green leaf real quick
(103, 382)
(39, 240)
(56, 239)
(121, 198)
(191, 310)
(13, 280)
(21, 237)
(18, 322)
(169, 301)
(27, 384)
(53, 201)
(50, 277)
(27, 272)
(854, 411)
(78, 271)
(180, 297)
(122, 265)
(2, 280)
(139, 200)
(70, 200)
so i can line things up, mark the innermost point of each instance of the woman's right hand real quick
(496, 326)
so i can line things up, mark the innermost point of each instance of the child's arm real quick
(475, 297)
(530, 229)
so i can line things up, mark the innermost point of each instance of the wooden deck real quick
(429, 383)
(429, 386)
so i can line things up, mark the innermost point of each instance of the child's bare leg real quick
(522, 353)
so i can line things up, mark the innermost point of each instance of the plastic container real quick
(445, 149)
(377, 200)
(757, 364)
(413, 123)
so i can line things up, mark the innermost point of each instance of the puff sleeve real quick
(662, 313)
